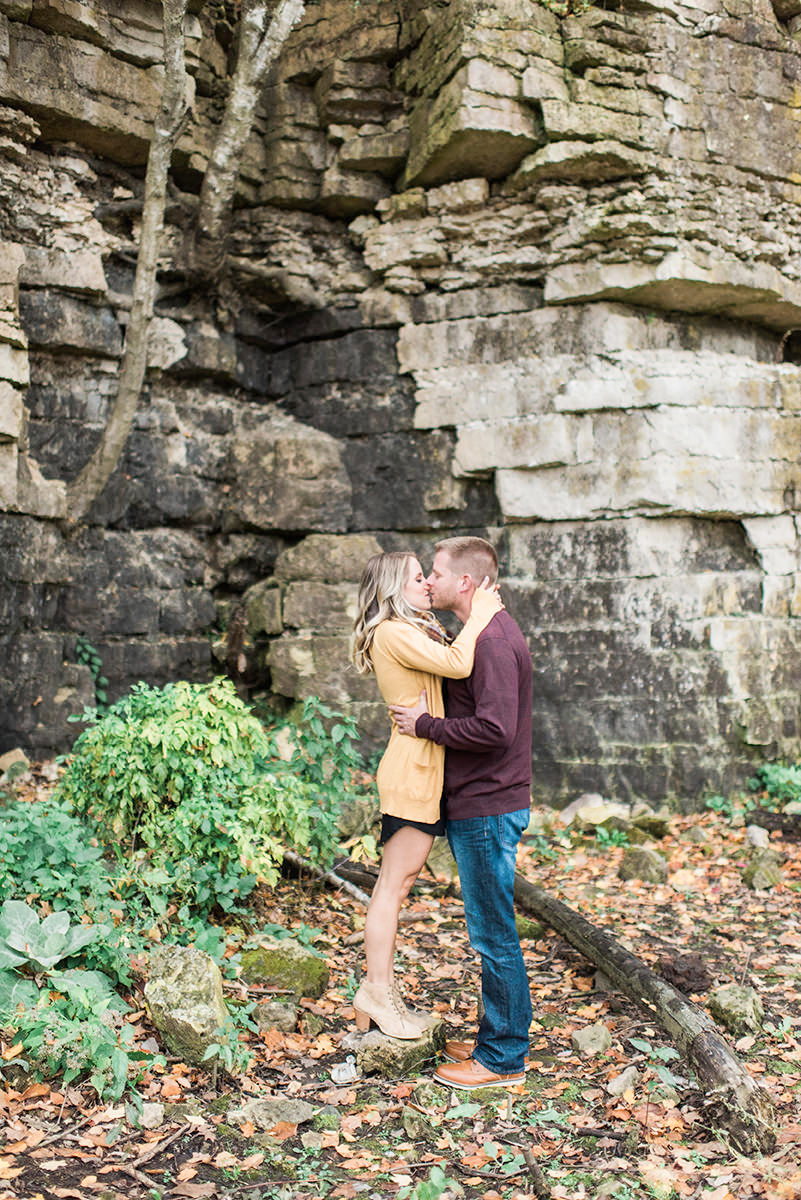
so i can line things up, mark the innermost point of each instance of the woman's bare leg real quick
(402, 861)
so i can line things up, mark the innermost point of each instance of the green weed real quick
(437, 1184)
(611, 837)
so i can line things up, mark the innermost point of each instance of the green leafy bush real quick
(73, 1037)
(782, 784)
(189, 773)
(48, 854)
(35, 945)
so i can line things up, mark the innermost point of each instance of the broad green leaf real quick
(462, 1110)
(93, 986)
(55, 925)
(18, 921)
(9, 958)
(15, 990)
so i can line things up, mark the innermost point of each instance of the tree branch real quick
(92, 479)
(260, 43)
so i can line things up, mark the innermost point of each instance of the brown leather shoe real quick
(457, 1052)
(471, 1075)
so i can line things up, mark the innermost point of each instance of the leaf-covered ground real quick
(563, 1133)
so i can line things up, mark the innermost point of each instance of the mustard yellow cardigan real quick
(406, 662)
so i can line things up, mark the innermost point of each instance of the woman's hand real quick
(493, 588)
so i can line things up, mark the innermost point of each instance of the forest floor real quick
(562, 1133)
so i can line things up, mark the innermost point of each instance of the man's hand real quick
(406, 718)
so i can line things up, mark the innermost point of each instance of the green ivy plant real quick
(48, 854)
(89, 657)
(435, 1187)
(73, 1038)
(228, 1050)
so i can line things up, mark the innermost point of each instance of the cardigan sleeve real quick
(412, 647)
(496, 684)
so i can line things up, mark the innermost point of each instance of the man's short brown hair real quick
(471, 556)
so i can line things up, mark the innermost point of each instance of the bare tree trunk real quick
(260, 42)
(735, 1100)
(90, 482)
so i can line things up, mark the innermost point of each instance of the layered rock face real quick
(491, 271)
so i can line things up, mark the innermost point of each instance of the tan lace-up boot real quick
(377, 1002)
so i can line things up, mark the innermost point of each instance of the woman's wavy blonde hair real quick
(381, 596)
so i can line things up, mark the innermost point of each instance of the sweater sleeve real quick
(494, 722)
(412, 647)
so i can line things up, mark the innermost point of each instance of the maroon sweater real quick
(487, 732)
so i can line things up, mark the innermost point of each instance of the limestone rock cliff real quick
(491, 270)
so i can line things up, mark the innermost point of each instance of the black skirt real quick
(390, 825)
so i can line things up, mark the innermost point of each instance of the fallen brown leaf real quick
(195, 1189)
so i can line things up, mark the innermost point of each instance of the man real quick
(487, 735)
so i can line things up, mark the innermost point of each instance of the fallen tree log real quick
(788, 824)
(330, 877)
(734, 1100)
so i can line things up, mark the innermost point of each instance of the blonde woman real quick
(398, 638)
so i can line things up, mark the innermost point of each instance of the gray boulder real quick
(627, 1078)
(377, 1054)
(266, 1113)
(654, 824)
(592, 1040)
(757, 837)
(272, 1014)
(185, 1000)
(762, 872)
(12, 764)
(639, 862)
(417, 1126)
(738, 1009)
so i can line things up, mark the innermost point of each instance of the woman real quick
(397, 637)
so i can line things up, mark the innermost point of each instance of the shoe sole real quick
(451, 1059)
(513, 1081)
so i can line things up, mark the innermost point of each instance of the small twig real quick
(65, 1133)
(745, 967)
(140, 1177)
(156, 1147)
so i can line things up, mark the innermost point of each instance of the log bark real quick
(332, 878)
(734, 1100)
(788, 824)
(89, 483)
(261, 38)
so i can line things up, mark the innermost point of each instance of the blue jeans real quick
(485, 849)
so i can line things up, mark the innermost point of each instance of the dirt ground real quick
(563, 1133)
